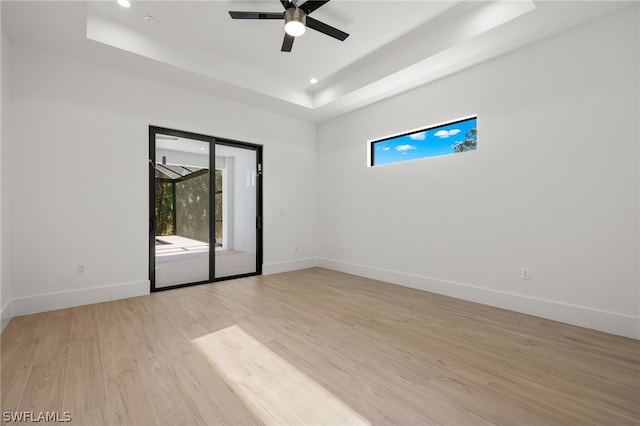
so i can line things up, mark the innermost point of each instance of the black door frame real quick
(213, 141)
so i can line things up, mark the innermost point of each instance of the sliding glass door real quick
(205, 222)
(236, 215)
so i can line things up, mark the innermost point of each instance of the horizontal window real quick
(442, 139)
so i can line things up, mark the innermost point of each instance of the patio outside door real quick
(205, 222)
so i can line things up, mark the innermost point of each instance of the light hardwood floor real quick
(393, 354)
(274, 390)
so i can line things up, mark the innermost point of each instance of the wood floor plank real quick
(624, 397)
(18, 345)
(128, 400)
(85, 387)
(154, 351)
(394, 355)
(202, 397)
(44, 390)
(97, 417)
(588, 404)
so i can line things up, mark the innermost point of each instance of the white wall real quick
(78, 177)
(554, 184)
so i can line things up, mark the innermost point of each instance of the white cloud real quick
(446, 133)
(386, 148)
(418, 136)
(405, 147)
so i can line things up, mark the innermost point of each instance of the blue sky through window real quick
(429, 142)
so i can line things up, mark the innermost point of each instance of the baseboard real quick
(5, 315)
(609, 322)
(289, 265)
(71, 298)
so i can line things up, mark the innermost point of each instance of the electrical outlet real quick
(526, 273)
(80, 268)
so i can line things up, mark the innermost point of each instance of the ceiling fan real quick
(296, 19)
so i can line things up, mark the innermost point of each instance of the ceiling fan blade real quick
(326, 29)
(255, 15)
(311, 5)
(287, 4)
(287, 43)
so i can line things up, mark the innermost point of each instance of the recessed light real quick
(124, 3)
(313, 81)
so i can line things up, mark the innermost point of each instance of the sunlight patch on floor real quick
(275, 391)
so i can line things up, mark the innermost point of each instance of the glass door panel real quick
(181, 211)
(236, 210)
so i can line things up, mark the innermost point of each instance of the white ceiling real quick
(393, 45)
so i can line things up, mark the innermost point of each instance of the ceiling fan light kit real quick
(296, 21)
